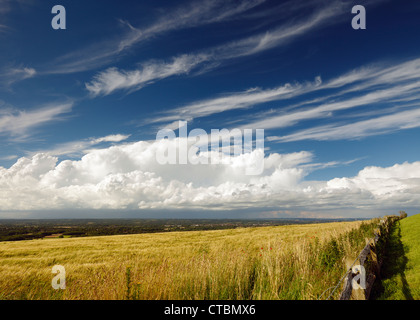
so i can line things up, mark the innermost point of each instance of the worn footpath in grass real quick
(401, 267)
(283, 262)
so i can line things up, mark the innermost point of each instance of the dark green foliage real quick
(330, 254)
(393, 284)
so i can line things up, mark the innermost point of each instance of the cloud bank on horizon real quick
(80, 108)
(129, 177)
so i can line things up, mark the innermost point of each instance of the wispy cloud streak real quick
(15, 74)
(193, 15)
(104, 84)
(112, 79)
(77, 148)
(18, 123)
(360, 129)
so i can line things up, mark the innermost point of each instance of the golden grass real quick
(247, 263)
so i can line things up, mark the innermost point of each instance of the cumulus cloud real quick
(129, 177)
(399, 183)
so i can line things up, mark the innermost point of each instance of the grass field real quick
(284, 262)
(401, 267)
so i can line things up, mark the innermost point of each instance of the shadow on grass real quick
(393, 267)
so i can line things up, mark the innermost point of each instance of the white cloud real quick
(11, 157)
(395, 87)
(323, 16)
(188, 16)
(24, 72)
(112, 79)
(398, 181)
(240, 100)
(380, 125)
(368, 84)
(16, 74)
(17, 123)
(129, 177)
(327, 109)
(111, 138)
(76, 148)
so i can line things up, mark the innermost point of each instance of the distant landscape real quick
(15, 230)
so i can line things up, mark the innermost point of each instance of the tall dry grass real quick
(285, 262)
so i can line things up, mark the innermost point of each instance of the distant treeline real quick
(14, 230)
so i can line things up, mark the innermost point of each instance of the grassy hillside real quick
(284, 262)
(401, 268)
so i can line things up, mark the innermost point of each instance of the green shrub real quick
(330, 254)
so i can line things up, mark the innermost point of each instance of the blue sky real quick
(80, 108)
